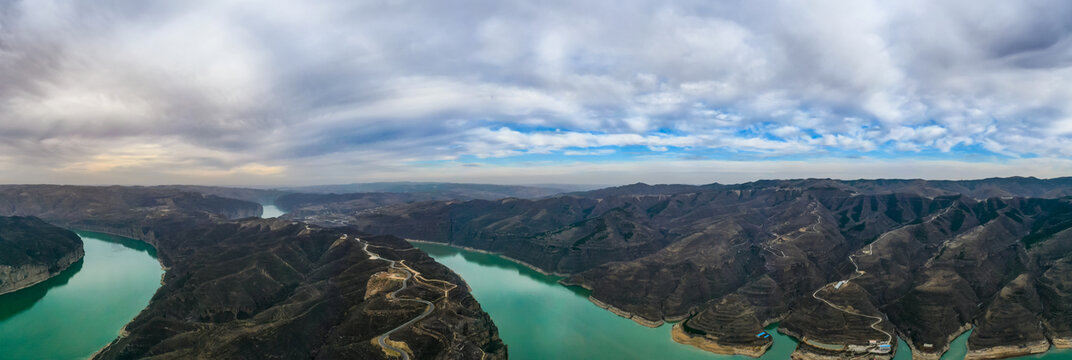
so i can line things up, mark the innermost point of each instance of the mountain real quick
(645, 189)
(268, 288)
(260, 196)
(32, 251)
(443, 191)
(349, 202)
(976, 189)
(335, 208)
(839, 263)
(65, 204)
(239, 287)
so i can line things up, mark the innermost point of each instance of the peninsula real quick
(32, 251)
(242, 287)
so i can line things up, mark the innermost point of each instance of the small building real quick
(839, 285)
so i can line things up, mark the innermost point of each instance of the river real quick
(959, 347)
(541, 319)
(271, 211)
(79, 311)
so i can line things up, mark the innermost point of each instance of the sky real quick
(266, 93)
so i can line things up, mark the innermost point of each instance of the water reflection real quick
(22, 300)
(490, 260)
(128, 243)
(84, 307)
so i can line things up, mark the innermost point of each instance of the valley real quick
(235, 286)
(816, 269)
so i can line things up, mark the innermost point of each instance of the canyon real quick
(843, 265)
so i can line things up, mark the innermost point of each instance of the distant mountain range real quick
(458, 191)
(978, 189)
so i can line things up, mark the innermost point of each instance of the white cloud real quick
(721, 171)
(588, 152)
(236, 84)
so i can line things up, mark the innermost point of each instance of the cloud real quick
(705, 171)
(234, 88)
(589, 152)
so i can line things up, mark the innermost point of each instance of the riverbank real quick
(615, 310)
(79, 312)
(1008, 351)
(540, 318)
(519, 262)
(15, 278)
(33, 251)
(679, 335)
(625, 314)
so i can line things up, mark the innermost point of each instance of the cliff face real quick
(32, 251)
(78, 206)
(125, 211)
(919, 264)
(272, 288)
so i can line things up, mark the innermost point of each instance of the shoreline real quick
(159, 260)
(679, 336)
(79, 255)
(810, 350)
(625, 314)
(917, 354)
(614, 310)
(1008, 351)
(482, 251)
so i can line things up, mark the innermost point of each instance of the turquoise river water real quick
(271, 211)
(74, 314)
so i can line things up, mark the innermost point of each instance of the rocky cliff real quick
(32, 251)
(119, 210)
(111, 204)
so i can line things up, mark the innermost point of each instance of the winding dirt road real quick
(858, 273)
(382, 339)
(874, 325)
